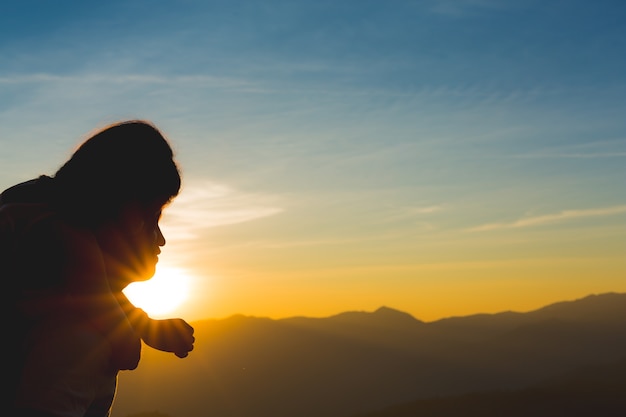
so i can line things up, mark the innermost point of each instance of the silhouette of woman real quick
(70, 244)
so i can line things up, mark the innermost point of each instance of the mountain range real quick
(385, 362)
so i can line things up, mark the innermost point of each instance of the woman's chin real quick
(146, 274)
(141, 273)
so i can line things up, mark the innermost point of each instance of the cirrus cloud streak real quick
(207, 204)
(564, 215)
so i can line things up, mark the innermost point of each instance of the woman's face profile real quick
(131, 244)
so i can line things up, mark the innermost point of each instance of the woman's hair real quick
(125, 162)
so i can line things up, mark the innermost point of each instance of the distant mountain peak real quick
(610, 305)
(383, 316)
(393, 314)
(386, 310)
(389, 310)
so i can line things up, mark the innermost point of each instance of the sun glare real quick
(162, 294)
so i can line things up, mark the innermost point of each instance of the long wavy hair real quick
(130, 161)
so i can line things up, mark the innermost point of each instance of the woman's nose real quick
(160, 239)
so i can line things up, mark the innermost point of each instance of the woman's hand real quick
(169, 335)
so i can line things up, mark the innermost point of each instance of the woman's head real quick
(128, 162)
(116, 183)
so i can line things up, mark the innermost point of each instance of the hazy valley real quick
(569, 354)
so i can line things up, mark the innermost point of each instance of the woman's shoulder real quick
(27, 203)
(19, 219)
(50, 251)
(36, 225)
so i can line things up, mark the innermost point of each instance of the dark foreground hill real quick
(589, 392)
(357, 362)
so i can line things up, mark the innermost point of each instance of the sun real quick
(162, 294)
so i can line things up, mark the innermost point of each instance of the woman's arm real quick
(169, 335)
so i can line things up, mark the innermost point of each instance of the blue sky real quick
(327, 144)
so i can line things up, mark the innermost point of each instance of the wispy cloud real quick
(427, 209)
(575, 155)
(564, 215)
(206, 205)
(413, 212)
(196, 80)
(598, 148)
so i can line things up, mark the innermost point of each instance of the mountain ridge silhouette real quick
(356, 362)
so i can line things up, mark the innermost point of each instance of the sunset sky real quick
(440, 157)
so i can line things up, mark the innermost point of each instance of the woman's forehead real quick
(144, 209)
